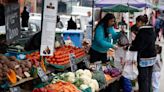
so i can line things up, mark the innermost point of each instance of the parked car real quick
(2, 30)
(27, 32)
(36, 18)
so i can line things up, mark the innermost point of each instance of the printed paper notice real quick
(48, 27)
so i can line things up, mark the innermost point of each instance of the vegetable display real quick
(108, 77)
(113, 72)
(72, 81)
(11, 75)
(100, 77)
(59, 86)
(81, 79)
(12, 69)
(61, 55)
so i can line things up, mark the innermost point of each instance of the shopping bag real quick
(119, 58)
(130, 70)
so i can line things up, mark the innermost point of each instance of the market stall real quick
(55, 67)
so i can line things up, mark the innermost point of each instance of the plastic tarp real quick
(120, 8)
(161, 7)
(135, 3)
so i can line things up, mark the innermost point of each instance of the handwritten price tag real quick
(15, 89)
(73, 63)
(87, 63)
(42, 74)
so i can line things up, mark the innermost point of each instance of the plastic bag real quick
(130, 70)
(119, 58)
(126, 84)
(123, 40)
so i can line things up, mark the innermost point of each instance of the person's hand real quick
(115, 47)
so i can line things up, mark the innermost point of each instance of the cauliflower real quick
(92, 85)
(88, 73)
(79, 73)
(57, 44)
(70, 77)
(96, 84)
(85, 79)
(69, 43)
(85, 72)
(83, 87)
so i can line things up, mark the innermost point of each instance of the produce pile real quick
(81, 79)
(71, 81)
(12, 69)
(61, 55)
(113, 72)
(105, 74)
(59, 86)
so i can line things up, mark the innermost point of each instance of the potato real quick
(23, 62)
(25, 69)
(4, 74)
(12, 58)
(19, 72)
(22, 65)
(28, 64)
(1, 66)
(11, 65)
(1, 75)
(17, 62)
(1, 78)
(1, 70)
(5, 68)
(7, 63)
(3, 58)
(2, 62)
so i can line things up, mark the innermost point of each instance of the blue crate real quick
(75, 35)
(19, 55)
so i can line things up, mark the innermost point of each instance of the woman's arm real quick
(100, 38)
(115, 35)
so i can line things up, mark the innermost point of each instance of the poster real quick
(12, 22)
(48, 27)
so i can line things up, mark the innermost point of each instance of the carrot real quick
(108, 77)
(43, 65)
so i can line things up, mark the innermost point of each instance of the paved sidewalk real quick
(162, 72)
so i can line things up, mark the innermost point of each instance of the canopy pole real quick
(128, 22)
(93, 20)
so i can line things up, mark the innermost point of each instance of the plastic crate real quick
(75, 35)
(17, 54)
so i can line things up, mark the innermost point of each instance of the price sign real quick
(12, 22)
(73, 63)
(87, 63)
(98, 65)
(42, 75)
(15, 89)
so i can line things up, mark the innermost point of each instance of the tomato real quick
(50, 90)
